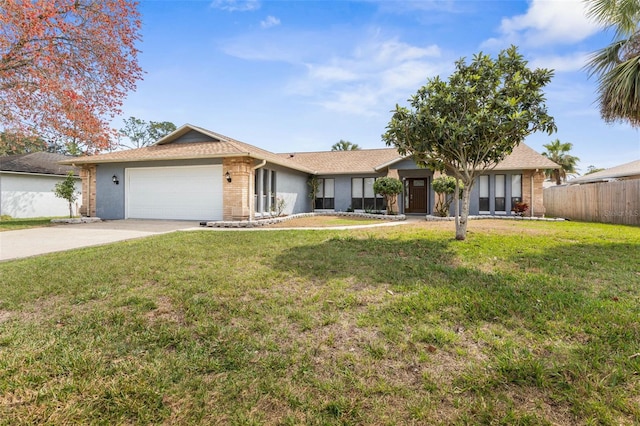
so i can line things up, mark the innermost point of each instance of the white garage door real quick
(182, 193)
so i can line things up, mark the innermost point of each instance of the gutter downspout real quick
(252, 190)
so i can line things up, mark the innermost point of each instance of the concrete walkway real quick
(35, 241)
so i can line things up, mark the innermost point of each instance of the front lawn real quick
(524, 323)
(13, 224)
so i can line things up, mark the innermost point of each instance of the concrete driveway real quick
(35, 241)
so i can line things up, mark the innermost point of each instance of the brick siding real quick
(237, 196)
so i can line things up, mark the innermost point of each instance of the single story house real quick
(196, 174)
(27, 184)
(625, 171)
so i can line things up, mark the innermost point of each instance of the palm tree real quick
(618, 65)
(344, 146)
(558, 152)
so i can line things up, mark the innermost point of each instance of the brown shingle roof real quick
(343, 162)
(626, 170)
(324, 162)
(524, 157)
(37, 162)
(223, 146)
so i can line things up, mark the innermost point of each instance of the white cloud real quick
(236, 5)
(546, 22)
(371, 79)
(568, 63)
(270, 21)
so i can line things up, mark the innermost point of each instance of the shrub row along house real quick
(196, 174)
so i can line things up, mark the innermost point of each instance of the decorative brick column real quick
(88, 176)
(532, 180)
(237, 195)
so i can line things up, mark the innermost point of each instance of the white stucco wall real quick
(25, 195)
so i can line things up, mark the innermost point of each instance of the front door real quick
(416, 195)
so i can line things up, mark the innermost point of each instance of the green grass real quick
(13, 224)
(527, 323)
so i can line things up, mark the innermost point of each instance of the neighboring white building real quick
(27, 182)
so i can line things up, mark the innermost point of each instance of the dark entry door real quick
(416, 195)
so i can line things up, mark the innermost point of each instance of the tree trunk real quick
(456, 208)
(70, 210)
(461, 223)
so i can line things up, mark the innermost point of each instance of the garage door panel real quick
(182, 193)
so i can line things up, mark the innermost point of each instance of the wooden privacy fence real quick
(606, 202)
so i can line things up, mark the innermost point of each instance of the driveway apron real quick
(35, 241)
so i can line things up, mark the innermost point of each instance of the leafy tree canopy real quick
(141, 133)
(472, 122)
(66, 66)
(14, 144)
(593, 169)
(388, 187)
(343, 145)
(617, 66)
(558, 152)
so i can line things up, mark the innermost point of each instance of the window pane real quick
(356, 188)
(516, 185)
(356, 203)
(500, 206)
(328, 188)
(320, 191)
(328, 203)
(273, 181)
(500, 186)
(368, 187)
(484, 205)
(265, 182)
(484, 187)
(369, 203)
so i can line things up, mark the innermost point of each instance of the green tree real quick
(141, 133)
(314, 187)
(14, 144)
(445, 187)
(66, 190)
(472, 122)
(617, 66)
(593, 169)
(389, 188)
(558, 152)
(343, 145)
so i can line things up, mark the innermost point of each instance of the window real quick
(264, 190)
(516, 189)
(273, 190)
(500, 193)
(325, 198)
(484, 194)
(363, 197)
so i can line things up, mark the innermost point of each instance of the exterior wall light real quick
(227, 176)
(115, 180)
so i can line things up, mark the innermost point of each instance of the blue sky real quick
(293, 76)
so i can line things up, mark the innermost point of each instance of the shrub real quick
(388, 187)
(445, 187)
(520, 208)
